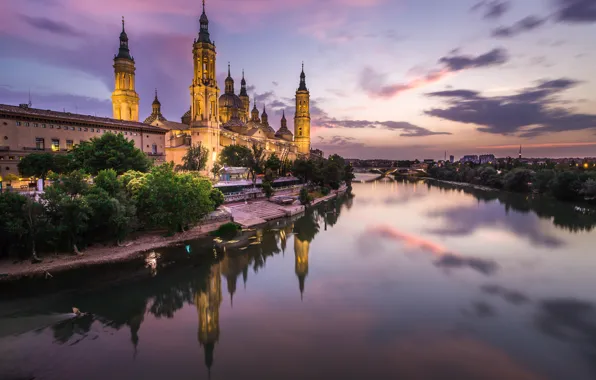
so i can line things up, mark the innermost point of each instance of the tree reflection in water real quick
(562, 214)
(126, 305)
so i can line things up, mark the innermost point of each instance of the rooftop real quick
(26, 111)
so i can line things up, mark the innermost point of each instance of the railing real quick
(3, 148)
(35, 148)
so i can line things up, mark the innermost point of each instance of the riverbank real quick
(247, 215)
(99, 255)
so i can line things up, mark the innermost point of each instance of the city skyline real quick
(390, 79)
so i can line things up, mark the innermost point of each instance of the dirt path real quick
(130, 250)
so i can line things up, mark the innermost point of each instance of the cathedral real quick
(213, 121)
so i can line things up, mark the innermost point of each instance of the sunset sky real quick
(388, 78)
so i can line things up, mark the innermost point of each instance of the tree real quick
(235, 156)
(217, 198)
(268, 180)
(349, 175)
(566, 186)
(589, 189)
(10, 178)
(195, 159)
(215, 170)
(304, 197)
(256, 161)
(12, 223)
(110, 151)
(303, 169)
(173, 201)
(274, 163)
(543, 179)
(37, 165)
(518, 180)
(67, 209)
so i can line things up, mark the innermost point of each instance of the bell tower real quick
(302, 116)
(125, 100)
(204, 92)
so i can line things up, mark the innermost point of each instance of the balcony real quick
(36, 149)
(4, 148)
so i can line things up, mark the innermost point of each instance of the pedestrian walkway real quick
(259, 212)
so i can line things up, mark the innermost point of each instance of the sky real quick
(398, 79)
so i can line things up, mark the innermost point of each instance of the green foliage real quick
(589, 189)
(10, 178)
(12, 221)
(235, 156)
(110, 151)
(564, 182)
(215, 170)
(518, 180)
(325, 190)
(228, 230)
(273, 163)
(216, 197)
(38, 165)
(195, 158)
(303, 169)
(304, 197)
(566, 186)
(172, 201)
(256, 161)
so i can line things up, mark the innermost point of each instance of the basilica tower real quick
(245, 100)
(302, 117)
(204, 92)
(125, 100)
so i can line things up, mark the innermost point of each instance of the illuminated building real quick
(301, 250)
(125, 100)
(28, 130)
(216, 121)
(208, 302)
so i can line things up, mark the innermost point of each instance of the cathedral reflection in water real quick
(236, 262)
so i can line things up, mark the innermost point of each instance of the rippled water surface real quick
(403, 281)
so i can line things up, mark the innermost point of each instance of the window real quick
(92, 129)
(36, 125)
(11, 157)
(69, 144)
(18, 123)
(58, 127)
(1, 158)
(72, 128)
(86, 129)
(51, 126)
(40, 143)
(55, 145)
(43, 125)
(154, 149)
(80, 129)
(26, 124)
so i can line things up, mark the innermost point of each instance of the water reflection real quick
(562, 214)
(374, 299)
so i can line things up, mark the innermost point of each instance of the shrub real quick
(304, 196)
(325, 190)
(217, 197)
(228, 230)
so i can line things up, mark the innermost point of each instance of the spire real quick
(156, 101)
(302, 80)
(124, 51)
(229, 82)
(243, 86)
(204, 31)
(264, 116)
(284, 122)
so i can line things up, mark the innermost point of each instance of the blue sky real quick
(386, 76)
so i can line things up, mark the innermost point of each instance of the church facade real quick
(213, 120)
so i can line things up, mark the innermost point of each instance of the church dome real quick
(230, 100)
(269, 131)
(186, 117)
(252, 124)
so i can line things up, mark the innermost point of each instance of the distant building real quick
(472, 158)
(452, 158)
(487, 159)
(317, 153)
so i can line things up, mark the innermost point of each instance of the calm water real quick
(403, 281)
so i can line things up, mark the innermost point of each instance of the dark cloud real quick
(576, 11)
(524, 25)
(481, 309)
(265, 97)
(406, 129)
(462, 62)
(449, 261)
(530, 112)
(492, 9)
(52, 26)
(275, 83)
(512, 296)
(466, 94)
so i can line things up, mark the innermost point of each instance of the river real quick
(405, 280)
